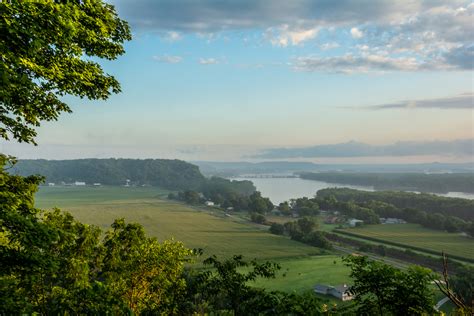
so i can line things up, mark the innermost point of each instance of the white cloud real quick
(173, 36)
(208, 61)
(168, 59)
(356, 33)
(349, 63)
(284, 35)
(436, 34)
(328, 46)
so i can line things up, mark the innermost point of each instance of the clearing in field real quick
(414, 235)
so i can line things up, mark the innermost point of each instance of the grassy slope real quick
(418, 236)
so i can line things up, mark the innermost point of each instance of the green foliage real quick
(429, 203)
(145, 274)
(380, 289)
(47, 49)
(318, 239)
(277, 229)
(463, 285)
(258, 218)
(259, 204)
(168, 174)
(225, 290)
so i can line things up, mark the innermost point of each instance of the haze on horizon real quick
(213, 80)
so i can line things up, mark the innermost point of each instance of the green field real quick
(301, 274)
(414, 235)
(209, 229)
(197, 228)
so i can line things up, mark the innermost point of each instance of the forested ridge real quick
(438, 183)
(169, 174)
(429, 203)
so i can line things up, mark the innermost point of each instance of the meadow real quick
(217, 234)
(414, 235)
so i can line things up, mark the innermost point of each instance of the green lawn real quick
(210, 230)
(417, 236)
(301, 274)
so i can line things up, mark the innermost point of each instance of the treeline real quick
(364, 206)
(369, 209)
(254, 203)
(428, 203)
(311, 207)
(168, 174)
(304, 230)
(438, 183)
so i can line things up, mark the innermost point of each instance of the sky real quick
(237, 80)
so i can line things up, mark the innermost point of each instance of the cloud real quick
(355, 64)
(356, 33)
(328, 46)
(463, 101)
(173, 36)
(168, 59)
(418, 35)
(208, 61)
(284, 35)
(463, 147)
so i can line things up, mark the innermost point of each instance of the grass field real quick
(417, 236)
(209, 230)
(301, 274)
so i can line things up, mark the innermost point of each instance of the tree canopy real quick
(46, 52)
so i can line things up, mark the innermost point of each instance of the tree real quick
(145, 274)
(277, 229)
(380, 289)
(258, 218)
(46, 50)
(226, 288)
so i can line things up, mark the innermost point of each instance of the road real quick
(389, 261)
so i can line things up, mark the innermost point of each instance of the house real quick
(392, 220)
(97, 184)
(209, 203)
(353, 222)
(51, 184)
(339, 291)
(79, 183)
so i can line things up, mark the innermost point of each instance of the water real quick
(283, 189)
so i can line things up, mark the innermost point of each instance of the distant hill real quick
(279, 167)
(169, 174)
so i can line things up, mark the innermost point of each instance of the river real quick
(283, 189)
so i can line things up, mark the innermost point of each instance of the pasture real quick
(414, 235)
(301, 274)
(208, 229)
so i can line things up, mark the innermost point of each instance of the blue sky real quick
(222, 80)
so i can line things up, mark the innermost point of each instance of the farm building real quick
(353, 222)
(392, 220)
(340, 291)
(79, 183)
(209, 203)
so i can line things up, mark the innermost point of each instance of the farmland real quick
(196, 228)
(414, 235)
(302, 266)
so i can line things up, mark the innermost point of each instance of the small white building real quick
(391, 220)
(51, 184)
(209, 203)
(353, 222)
(79, 183)
(97, 184)
(340, 291)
